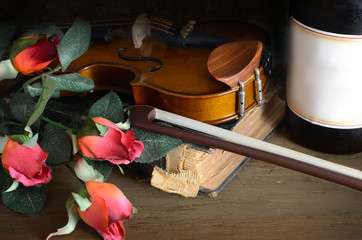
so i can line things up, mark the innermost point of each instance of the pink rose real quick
(108, 210)
(37, 56)
(116, 146)
(26, 164)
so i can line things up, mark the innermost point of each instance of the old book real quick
(192, 169)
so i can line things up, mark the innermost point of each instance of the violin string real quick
(159, 24)
(163, 20)
(163, 25)
(160, 29)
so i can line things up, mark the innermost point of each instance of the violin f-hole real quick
(140, 58)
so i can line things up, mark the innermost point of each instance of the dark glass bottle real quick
(324, 85)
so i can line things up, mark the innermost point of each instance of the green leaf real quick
(6, 33)
(89, 129)
(77, 122)
(31, 143)
(4, 110)
(5, 178)
(103, 167)
(110, 107)
(102, 129)
(74, 43)
(35, 89)
(47, 91)
(20, 138)
(5, 114)
(135, 211)
(156, 145)
(73, 219)
(25, 199)
(3, 141)
(28, 131)
(120, 169)
(81, 201)
(86, 172)
(73, 82)
(56, 142)
(13, 186)
(22, 107)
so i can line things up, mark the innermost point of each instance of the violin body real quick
(183, 84)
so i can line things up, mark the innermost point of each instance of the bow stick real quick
(149, 118)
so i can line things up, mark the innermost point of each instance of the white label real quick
(324, 83)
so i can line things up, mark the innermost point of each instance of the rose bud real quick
(109, 208)
(115, 146)
(34, 53)
(26, 164)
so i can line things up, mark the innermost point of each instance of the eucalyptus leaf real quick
(74, 43)
(109, 107)
(28, 200)
(47, 91)
(156, 145)
(7, 31)
(72, 82)
(56, 142)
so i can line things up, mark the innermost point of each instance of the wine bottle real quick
(324, 82)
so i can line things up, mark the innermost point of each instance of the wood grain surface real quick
(262, 201)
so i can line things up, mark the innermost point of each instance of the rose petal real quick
(119, 207)
(37, 57)
(96, 215)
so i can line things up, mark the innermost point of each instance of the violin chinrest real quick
(234, 61)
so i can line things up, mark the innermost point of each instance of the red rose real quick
(116, 146)
(37, 56)
(108, 210)
(26, 164)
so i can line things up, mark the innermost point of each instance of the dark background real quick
(272, 16)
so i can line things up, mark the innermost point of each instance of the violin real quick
(178, 74)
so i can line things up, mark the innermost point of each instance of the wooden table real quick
(263, 201)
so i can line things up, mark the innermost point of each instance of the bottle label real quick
(324, 84)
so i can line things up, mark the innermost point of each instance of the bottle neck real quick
(335, 16)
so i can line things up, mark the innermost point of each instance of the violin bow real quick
(149, 118)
